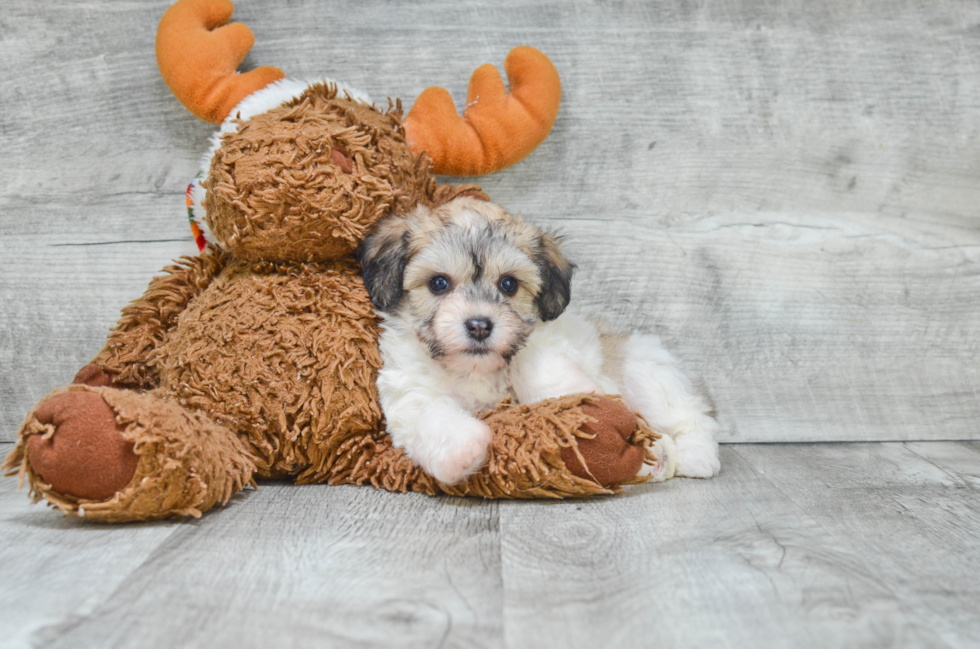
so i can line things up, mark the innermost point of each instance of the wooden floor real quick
(810, 545)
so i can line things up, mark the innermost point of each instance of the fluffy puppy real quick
(470, 298)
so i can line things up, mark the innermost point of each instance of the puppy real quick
(470, 298)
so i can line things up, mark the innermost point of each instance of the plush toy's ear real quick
(198, 54)
(497, 128)
(556, 277)
(383, 256)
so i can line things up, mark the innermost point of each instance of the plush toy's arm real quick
(574, 446)
(124, 359)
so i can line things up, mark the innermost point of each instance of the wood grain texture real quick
(286, 566)
(908, 513)
(54, 572)
(785, 191)
(796, 546)
(792, 546)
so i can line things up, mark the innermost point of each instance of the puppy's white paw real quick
(697, 455)
(464, 452)
(665, 467)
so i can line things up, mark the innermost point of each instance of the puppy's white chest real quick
(476, 392)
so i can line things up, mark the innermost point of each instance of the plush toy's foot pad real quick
(87, 455)
(609, 456)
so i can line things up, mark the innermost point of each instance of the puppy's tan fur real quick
(474, 244)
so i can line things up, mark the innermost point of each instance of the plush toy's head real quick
(300, 171)
(305, 181)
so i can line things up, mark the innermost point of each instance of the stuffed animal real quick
(258, 358)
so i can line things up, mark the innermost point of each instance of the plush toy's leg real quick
(571, 446)
(117, 455)
(125, 359)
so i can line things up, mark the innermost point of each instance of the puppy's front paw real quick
(666, 465)
(464, 452)
(697, 455)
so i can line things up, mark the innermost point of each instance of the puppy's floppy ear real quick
(556, 277)
(383, 256)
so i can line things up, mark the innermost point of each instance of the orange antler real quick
(198, 55)
(497, 129)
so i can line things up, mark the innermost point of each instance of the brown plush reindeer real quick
(258, 357)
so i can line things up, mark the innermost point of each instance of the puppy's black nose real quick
(479, 328)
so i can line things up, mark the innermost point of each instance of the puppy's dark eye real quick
(507, 285)
(439, 284)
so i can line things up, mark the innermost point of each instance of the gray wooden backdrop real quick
(785, 191)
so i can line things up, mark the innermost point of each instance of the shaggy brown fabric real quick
(145, 321)
(276, 192)
(285, 355)
(187, 464)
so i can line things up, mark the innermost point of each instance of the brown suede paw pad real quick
(609, 456)
(87, 456)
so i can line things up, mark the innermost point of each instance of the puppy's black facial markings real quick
(477, 266)
(436, 350)
(515, 347)
(430, 339)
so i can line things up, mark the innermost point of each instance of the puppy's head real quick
(471, 279)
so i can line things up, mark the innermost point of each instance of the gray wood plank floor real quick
(816, 545)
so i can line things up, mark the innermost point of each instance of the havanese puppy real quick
(470, 298)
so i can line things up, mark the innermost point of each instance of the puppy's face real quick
(471, 279)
